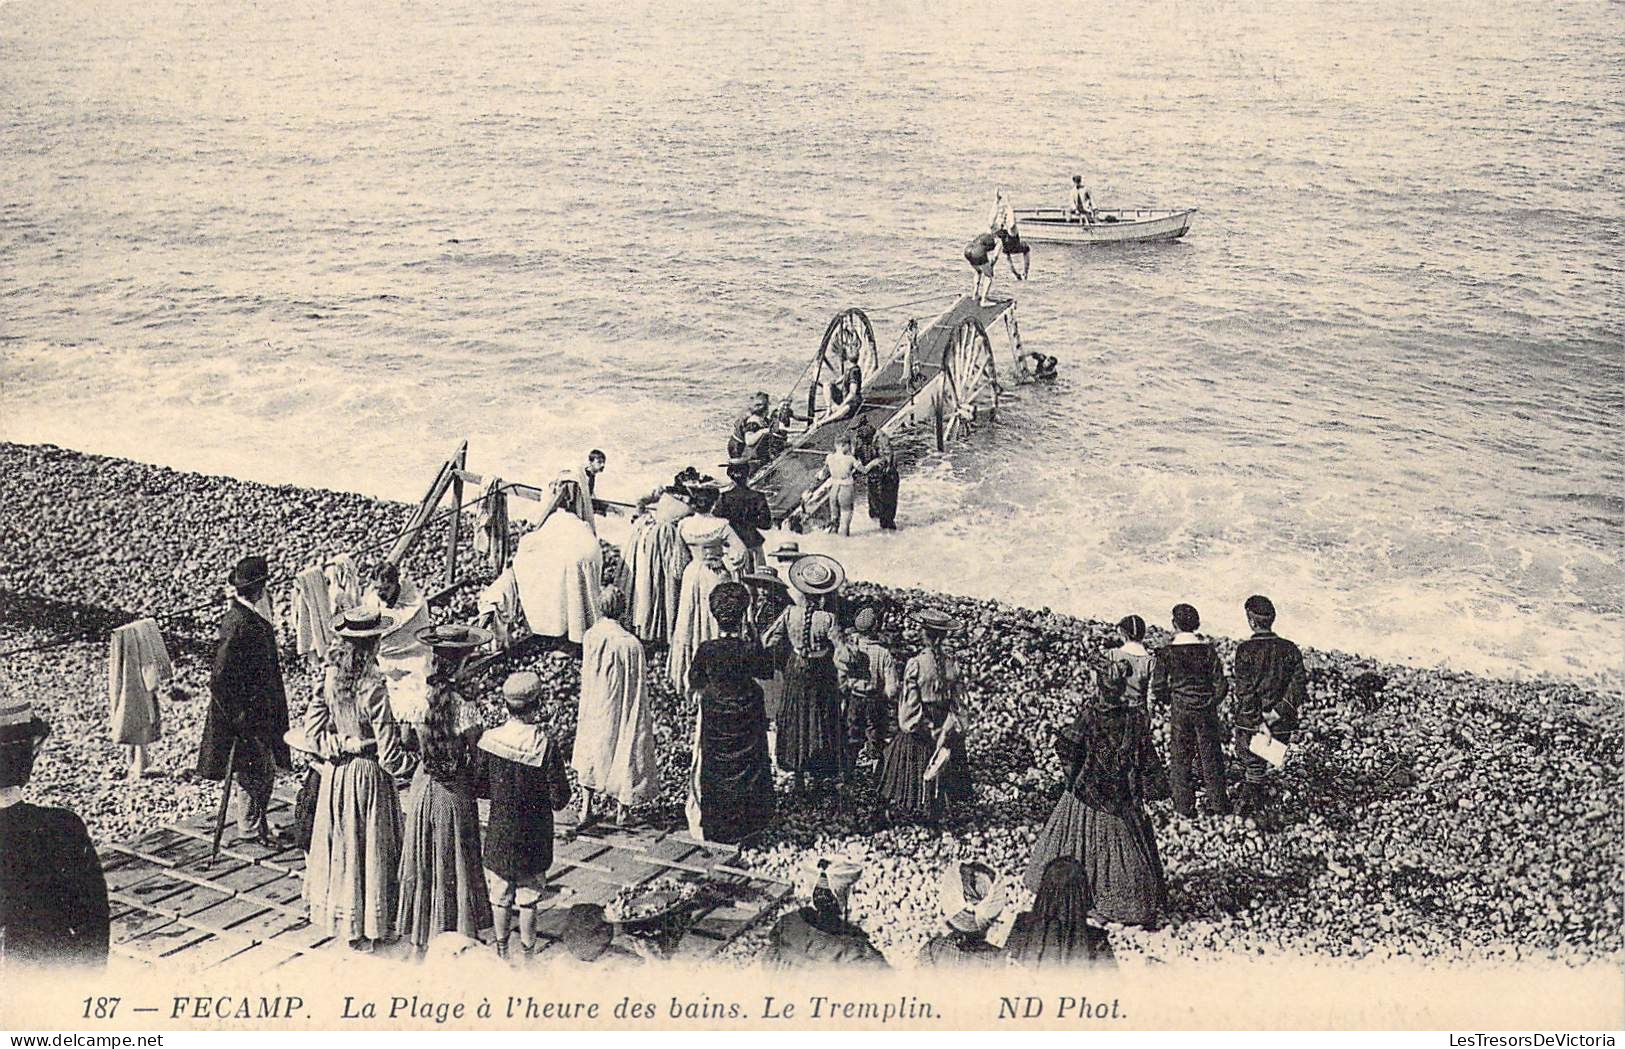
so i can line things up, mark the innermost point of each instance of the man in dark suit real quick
(248, 707)
(53, 898)
(1272, 689)
(746, 509)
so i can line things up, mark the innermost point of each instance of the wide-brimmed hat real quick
(787, 552)
(18, 723)
(766, 576)
(364, 622)
(973, 897)
(249, 571)
(939, 621)
(814, 574)
(297, 739)
(454, 638)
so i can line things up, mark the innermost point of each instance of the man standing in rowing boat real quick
(1083, 205)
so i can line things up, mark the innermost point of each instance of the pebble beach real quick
(1463, 819)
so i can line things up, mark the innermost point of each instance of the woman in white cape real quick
(558, 567)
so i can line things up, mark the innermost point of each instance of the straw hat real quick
(814, 574)
(767, 576)
(454, 639)
(364, 622)
(787, 552)
(297, 739)
(19, 725)
(938, 621)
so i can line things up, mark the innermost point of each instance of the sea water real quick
(1380, 380)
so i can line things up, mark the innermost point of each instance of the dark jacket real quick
(519, 839)
(246, 689)
(1189, 676)
(1269, 679)
(804, 939)
(746, 509)
(53, 898)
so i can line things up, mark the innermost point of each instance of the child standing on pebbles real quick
(523, 775)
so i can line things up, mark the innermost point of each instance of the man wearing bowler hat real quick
(248, 712)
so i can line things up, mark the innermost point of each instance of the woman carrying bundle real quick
(1100, 820)
(925, 769)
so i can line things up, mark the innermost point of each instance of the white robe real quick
(615, 744)
(704, 535)
(558, 569)
(405, 661)
(655, 559)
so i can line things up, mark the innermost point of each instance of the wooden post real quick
(425, 510)
(454, 532)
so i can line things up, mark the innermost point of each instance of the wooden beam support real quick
(454, 530)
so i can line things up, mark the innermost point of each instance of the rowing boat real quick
(1111, 226)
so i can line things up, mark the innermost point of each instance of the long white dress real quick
(558, 569)
(707, 537)
(615, 744)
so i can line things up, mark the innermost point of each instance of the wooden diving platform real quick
(916, 385)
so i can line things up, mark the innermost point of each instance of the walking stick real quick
(225, 802)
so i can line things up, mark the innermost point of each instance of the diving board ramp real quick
(942, 374)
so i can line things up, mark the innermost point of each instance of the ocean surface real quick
(1381, 380)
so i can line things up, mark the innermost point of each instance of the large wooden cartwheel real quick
(849, 338)
(970, 382)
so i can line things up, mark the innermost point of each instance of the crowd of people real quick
(783, 670)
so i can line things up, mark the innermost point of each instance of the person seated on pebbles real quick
(972, 900)
(53, 896)
(1056, 932)
(820, 934)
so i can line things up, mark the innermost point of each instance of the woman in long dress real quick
(653, 569)
(559, 566)
(1100, 820)
(443, 886)
(352, 872)
(811, 737)
(930, 718)
(730, 793)
(614, 752)
(715, 554)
